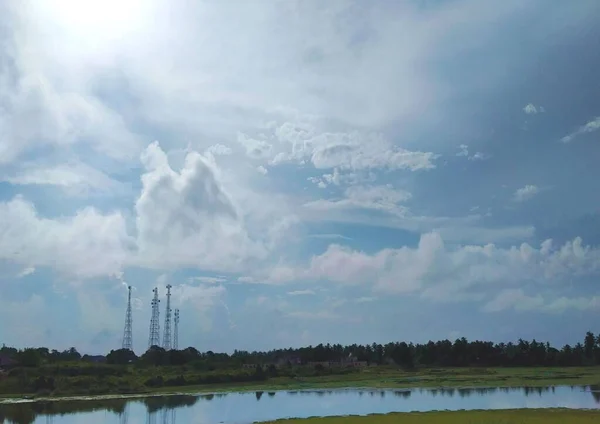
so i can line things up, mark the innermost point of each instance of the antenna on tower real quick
(167, 335)
(176, 330)
(127, 336)
(154, 339)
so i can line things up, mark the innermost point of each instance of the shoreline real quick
(83, 398)
(488, 416)
(380, 379)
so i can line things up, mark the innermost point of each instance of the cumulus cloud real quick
(440, 272)
(338, 178)
(526, 193)
(479, 156)
(302, 142)
(188, 218)
(347, 152)
(531, 109)
(26, 271)
(591, 126)
(256, 149)
(219, 150)
(185, 218)
(88, 244)
(464, 152)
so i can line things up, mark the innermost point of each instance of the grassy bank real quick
(384, 377)
(514, 416)
(132, 380)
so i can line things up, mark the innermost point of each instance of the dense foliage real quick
(459, 353)
(40, 370)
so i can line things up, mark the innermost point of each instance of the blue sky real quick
(299, 171)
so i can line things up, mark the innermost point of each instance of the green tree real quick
(120, 357)
(589, 344)
(29, 357)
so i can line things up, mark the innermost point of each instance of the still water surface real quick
(242, 408)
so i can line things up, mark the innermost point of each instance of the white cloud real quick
(444, 273)
(188, 218)
(463, 233)
(185, 218)
(314, 315)
(88, 244)
(382, 198)
(517, 299)
(465, 229)
(262, 170)
(201, 297)
(246, 279)
(329, 236)
(355, 151)
(513, 298)
(531, 109)
(479, 156)
(464, 152)
(333, 178)
(256, 149)
(75, 178)
(26, 271)
(219, 150)
(338, 178)
(301, 293)
(366, 299)
(209, 280)
(591, 126)
(526, 193)
(348, 151)
(63, 112)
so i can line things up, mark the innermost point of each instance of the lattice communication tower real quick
(167, 334)
(127, 332)
(154, 339)
(176, 331)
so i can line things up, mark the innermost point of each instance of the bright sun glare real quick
(97, 20)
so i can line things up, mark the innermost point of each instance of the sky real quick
(299, 171)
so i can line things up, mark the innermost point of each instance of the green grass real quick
(131, 380)
(387, 377)
(511, 416)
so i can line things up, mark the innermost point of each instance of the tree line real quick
(443, 353)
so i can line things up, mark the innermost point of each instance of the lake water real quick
(242, 408)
